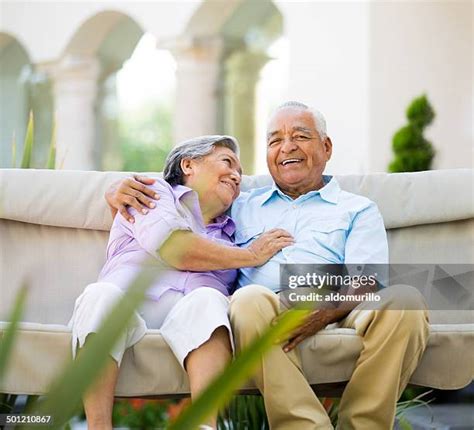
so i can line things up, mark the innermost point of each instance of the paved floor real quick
(442, 417)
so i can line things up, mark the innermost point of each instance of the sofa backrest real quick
(54, 228)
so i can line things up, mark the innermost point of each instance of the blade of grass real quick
(7, 403)
(66, 392)
(404, 424)
(217, 395)
(28, 146)
(52, 149)
(7, 341)
(416, 402)
(14, 149)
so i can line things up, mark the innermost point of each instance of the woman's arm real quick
(166, 234)
(185, 250)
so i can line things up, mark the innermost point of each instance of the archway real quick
(84, 88)
(220, 56)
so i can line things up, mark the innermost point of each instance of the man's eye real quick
(228, 160)
(301, 137)
(274, 142)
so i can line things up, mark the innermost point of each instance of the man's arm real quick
(133, 192)
(316, 321)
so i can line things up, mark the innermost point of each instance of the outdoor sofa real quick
(53, 233)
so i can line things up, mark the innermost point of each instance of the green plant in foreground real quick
(413, 152)
(65, 396)
(403, 407)
(140, 413)
(28, 145)
(243, 412)
(7, 401)
(219, 393)
(7, 340)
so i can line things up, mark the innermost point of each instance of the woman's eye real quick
(228, 160)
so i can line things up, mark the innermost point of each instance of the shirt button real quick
(293, 206)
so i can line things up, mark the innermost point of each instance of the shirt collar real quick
(180, 190)
(223, 222)
(329, 192)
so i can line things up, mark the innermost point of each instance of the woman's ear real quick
(187, 166)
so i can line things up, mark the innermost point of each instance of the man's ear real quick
(328, 148)
(187, 166)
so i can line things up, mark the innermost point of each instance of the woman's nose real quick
(236, 177)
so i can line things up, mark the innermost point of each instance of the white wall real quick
(329, 70)
(418, 47)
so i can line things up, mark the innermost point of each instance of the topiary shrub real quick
(413, 152)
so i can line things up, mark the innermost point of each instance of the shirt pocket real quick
(245, 236)
(327, 238)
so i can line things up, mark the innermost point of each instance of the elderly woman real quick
(188, 303)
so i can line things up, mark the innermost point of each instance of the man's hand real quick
(131, 192)
(316, 321)
(270, 243)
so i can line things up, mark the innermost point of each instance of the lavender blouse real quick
(130, 244)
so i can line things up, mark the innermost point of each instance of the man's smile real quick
(290, 161)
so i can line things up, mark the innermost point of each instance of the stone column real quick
(75, 91)
(197, 84)
(242, 71)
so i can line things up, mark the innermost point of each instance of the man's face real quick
(296, 155)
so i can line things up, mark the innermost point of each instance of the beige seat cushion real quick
(150, 368)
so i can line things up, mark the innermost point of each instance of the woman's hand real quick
(268, 244)
(131, 192)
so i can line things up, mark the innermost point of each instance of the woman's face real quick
(215, 176)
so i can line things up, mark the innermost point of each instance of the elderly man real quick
(329, 226)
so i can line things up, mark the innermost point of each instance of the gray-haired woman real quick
(188, 302)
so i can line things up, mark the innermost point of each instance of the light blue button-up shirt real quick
(330, 226)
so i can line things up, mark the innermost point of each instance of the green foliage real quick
(140, 414)
(28, 146)
(145, 137)
(419, 112)
(218, 394)
(7, 340)
(7, 401)
(244, 412)
(50, 164)
(64, 398)
(413, 152)
(404, 406)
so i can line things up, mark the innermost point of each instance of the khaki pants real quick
(393, 342)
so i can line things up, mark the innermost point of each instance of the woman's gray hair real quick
(193, 149)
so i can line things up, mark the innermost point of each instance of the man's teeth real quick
(292, 160)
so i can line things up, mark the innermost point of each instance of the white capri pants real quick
(185, 321)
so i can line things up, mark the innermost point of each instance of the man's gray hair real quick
(319, 120)
(195, 148)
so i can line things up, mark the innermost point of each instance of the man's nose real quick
(288, 145)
